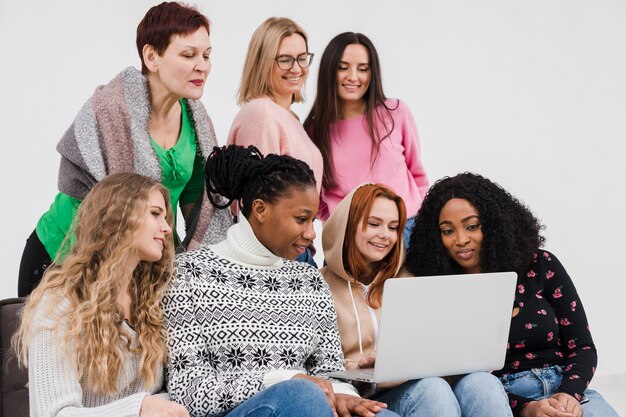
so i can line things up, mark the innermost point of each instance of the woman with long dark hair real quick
(363, 135)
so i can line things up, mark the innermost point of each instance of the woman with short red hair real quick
(149, 122)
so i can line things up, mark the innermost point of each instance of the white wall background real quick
(531, 94)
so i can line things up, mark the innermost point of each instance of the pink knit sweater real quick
(272, 129)
(397, 165)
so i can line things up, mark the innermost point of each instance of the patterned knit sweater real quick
(241, 319)
(54, 388)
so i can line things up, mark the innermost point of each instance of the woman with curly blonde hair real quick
(92, 331)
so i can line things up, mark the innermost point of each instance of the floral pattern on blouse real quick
(550, 329)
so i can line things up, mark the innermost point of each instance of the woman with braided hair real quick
(251, 331)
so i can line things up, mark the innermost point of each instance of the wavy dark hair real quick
(511, 233)
(327, 109)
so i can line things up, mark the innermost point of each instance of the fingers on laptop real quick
(367, 361)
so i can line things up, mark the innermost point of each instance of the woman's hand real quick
(367, 361)
(325, 385)
(152, 406)
(548, 407)
(569, 403)
(347, 405)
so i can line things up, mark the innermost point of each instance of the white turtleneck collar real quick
(242, 246)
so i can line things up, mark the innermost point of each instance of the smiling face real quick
(153, 231)
(286, 227)
(286, 83)
(184, 65)
(461, 233)
(353, 74)
(381, 231)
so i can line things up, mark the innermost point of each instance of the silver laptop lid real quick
(444, 325)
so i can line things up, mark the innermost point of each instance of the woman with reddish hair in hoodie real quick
(363, 246)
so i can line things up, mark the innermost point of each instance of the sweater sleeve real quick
(193, 377)
(54, 388)
(412, 153)
(577, 347)
(328, 355)
(256, 125)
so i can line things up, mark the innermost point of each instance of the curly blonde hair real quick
(80, 294)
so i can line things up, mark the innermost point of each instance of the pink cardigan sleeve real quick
(412, 153)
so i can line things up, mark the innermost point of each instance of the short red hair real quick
(165, 20)
(354, 262)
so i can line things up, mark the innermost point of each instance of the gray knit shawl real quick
(110, 135)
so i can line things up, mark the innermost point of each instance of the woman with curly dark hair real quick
(469, 224)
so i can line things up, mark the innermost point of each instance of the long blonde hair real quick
(79, 296)
(256, 79)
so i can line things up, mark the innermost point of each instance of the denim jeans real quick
(539, 383)
(407, 231)
(293, 398)
(479, 394)
(307, 257)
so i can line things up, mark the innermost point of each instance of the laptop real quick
(441, 325)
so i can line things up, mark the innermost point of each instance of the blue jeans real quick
(539, 383)
(407, 231)
(293, 398)
(478, 395)
(307, 257)
(481, 394)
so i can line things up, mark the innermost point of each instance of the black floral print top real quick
(550, 329)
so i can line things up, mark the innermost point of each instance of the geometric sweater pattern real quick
(231, 326)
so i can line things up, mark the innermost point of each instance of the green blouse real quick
(182, 173)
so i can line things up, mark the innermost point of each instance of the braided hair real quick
(511, 233)
(243, 174)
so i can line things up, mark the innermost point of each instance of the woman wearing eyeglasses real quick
(273, 77)
(353, 121)
(274, 72)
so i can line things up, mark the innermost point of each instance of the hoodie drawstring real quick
(356, 314)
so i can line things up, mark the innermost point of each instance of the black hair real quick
(511, 233)
(243, 174)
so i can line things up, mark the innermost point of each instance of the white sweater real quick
(54, 388)
(241, 319)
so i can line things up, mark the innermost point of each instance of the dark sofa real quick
(13, 380)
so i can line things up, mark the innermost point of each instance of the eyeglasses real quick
(286, 62)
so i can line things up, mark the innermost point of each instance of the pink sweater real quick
(397, 165)
(272, 129)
